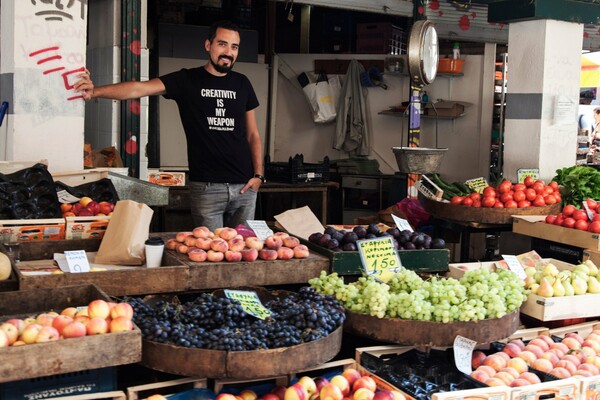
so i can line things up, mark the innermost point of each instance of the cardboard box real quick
(534, 225)
(86, 227)
(563, 389)
(164, 178)
(445, 108)
(590, 387)
(592, 255)
(27, 230)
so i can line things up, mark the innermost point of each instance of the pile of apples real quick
(548, 281)
(350, 385)
(530, 193)
(226, 244)
(87, 207)
(573, 356)
(572, 217)
(98, 317)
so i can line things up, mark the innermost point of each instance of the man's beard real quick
(223, 68)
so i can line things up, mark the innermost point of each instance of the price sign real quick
(477, 184)
(249, 302)
(589, 212)
(463, 352)
(515, 266)
(379, 257)
(402, 224)
(66, 197)
(523, 173)
(260, 228)
(77, 261)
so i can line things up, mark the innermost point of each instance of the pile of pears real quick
(548, 281)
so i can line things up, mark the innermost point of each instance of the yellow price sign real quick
(379, 257)
(477, 184)
(523, 173)
(249, 302)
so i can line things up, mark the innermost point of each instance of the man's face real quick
(223, 50)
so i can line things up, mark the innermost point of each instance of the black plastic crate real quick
(72, 383)
(297, 171)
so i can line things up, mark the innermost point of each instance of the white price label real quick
(260, 228)
(589, 212)
(515, 266)
(402, 224)
(77, 261)
(463, 352)
(66, 197)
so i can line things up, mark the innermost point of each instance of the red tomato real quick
(582, 225)
(457, 199)
(475, 196)
(548, 190)
(467, 201)
(505, 186)
(476, 203)
(596, 218)
(519, 195)
(506, 197)
(550, 219)
(519, 186)
(499, 204)
(592, 204)
(580, 215)
(559, 220)
(539, 187)
(539, 201)
(489, 191)
(530, 194)
(528, 181)
(594, 227)
(568, 210)
(550, 199)
(569, 222)
(510, 204)
(524, 204)
(488, 201)
(554, 185)
(557, 196)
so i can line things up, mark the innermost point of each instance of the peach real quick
(572, 358)
(190, 241)
(18, 323)
(366, 382)
(291, 241)
(520, 382)
(540, 343)
(575, 336)
(201, 232)
(98, 308)
(181, 248)
(249, 254)
(495, 362)
(180, 237)
(329, 392)
(309, 384)
(560, 373)
(512, 349)
(594, 336)
(236, 244)
(285, 253)
(273, 242)
(297, 392)
(559, 353)
(197, 255)
(530, 377)
(583, 373)
(487, 369)
(11, 331)
(528, 356)
(593, 344)
(568, 365)
(96, 326)
(120, 324)
(227, 233)
(505, 377)
(189, 249)
(215, 256)
(534, 349)
(47, 334)
(494, 382)
(219, 245)
(301, 251)
(122, 310)
(267, 254)
(203, 243)
(233, 256)
(281, 235)
(589, 367)
(254, 243)
(541, 364)
(480, 376)
(351, 374)
(341, 382)
(74, 329)
(171, 244)
(560, 346)
(546, 339)
(518, 342)
(477, 358)
(501, 354)
(571, 342)
(511, 371)
(60, 322)
(550, 356)
(517, 363)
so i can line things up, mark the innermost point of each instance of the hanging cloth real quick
(351, 131)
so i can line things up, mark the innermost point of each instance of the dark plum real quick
(438, 243)
(330, 230)
(349, 246)
(333, 244)
(409, 246)
(373, 228)
(418, 239)
(395, 232)
(370, 236)
(339, 236)
(360, 231)
(325, 238)
(404, 237)
(350, 237)
(314, 238)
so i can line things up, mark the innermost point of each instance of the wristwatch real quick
(262, 178)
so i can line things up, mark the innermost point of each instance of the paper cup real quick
(154, 252)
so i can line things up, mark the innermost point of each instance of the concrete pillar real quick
(43, 49)
(544, 64)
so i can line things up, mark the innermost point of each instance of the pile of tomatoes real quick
(585, 219)
(530, 193)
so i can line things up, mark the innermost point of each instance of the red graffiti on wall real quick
(50, 55)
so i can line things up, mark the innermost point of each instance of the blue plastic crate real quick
(72, 383)
(193, 394)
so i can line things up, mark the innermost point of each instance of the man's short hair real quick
(225, 24)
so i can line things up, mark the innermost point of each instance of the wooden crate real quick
(116, 395)
(69, 355)
(583, 329)
(536, 227)
(143, 391)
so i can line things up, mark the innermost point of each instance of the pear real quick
(529, 280)
(530, 271)
(550, 269)
(580, 274)
(538, 276)
(569, 289)
(548, 278)
(564, 274)
(559, 288)
(545, 289)
(593, 285)
(580, 285)
(593, 268)
(534, 288)
(583, 268)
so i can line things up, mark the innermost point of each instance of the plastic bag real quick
(323, 97)
(414, 211)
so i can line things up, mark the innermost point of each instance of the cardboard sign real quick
(379, 258)
(515, 266)
(249, 302)
(402, 224)
(75, 261)
(477, 184)
(260, 228)
(463, 351)
(523, 173)
(589, 212)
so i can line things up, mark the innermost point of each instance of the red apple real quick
(477, 358)
(60, 322)
(383, 395)
(269, 396)
(11, 331)
(341, 382)
(105, 207)
(309, 384)
(279, 391)
(98, 308)
(18, 323)
(351, 374)
(363, 394)
(330, 392)
(248, 395)
(86, 212)
(96, 326)
(296, 392)
(44, 319)
(47, 334)
(30, 333)
(93, 207)
(120, 324)
(74, 329)
(122, 310)
(321, 381)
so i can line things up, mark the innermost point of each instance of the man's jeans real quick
(216, 205)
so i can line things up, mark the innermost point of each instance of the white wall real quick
(467, 139)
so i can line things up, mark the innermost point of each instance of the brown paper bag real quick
(128, 229)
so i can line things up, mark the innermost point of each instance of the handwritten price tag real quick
(523, 173)
(402, 224)
(249, 302)
(379, 258)
(463, 352)
(515, 266)
(77, 261)
(260, 228)
(477, 184)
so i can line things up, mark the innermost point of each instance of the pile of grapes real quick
(218, 323)
(479, 294)
(335, 239)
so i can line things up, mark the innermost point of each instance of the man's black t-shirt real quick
(212, 111)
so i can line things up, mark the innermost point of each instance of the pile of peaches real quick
(98, 317)
(226, 244)
(572, 356)
(350, 385)
(87, 207)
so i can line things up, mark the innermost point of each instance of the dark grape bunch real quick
(343, 240)
(218, 323)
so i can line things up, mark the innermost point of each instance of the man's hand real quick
(253, 183)
(85, 85)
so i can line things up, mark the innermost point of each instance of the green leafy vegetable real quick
(578, 183)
